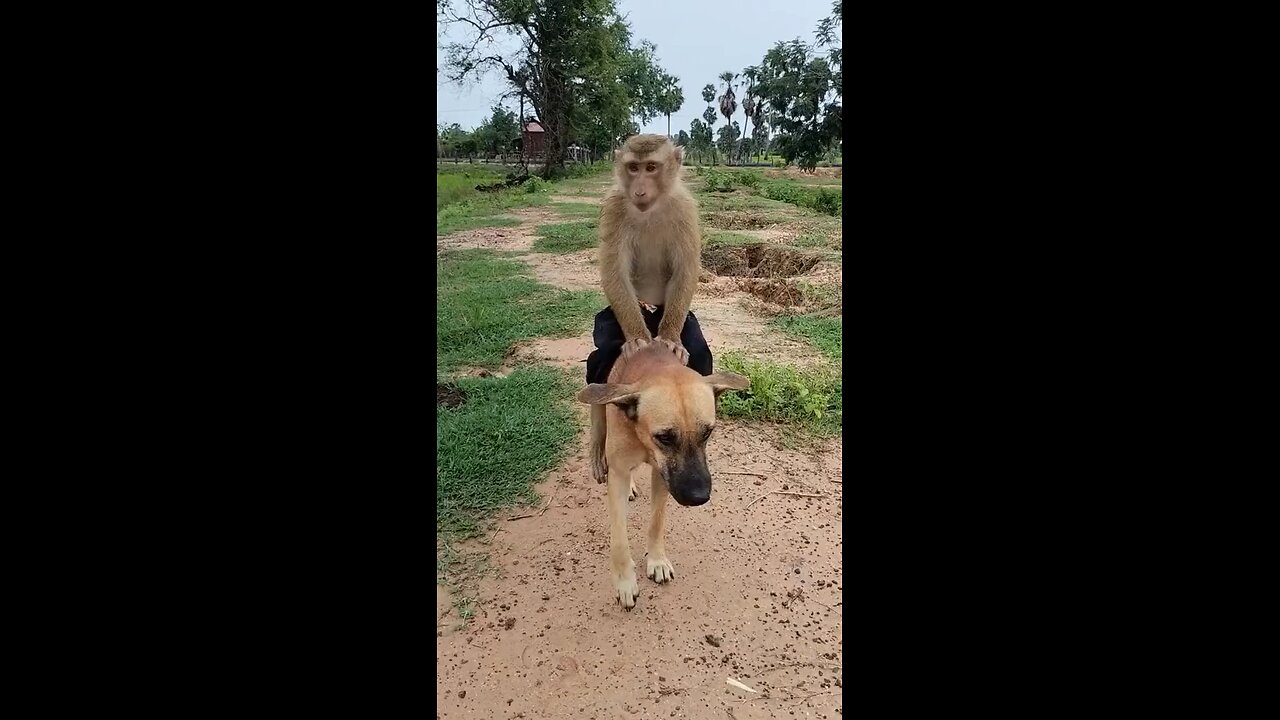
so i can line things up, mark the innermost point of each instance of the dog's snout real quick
(690, 489)
(696, 497)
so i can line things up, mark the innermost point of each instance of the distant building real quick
(534, 138)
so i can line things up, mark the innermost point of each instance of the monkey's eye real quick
(651, 167)
(707, 433)
(666, 437)
(633, 167)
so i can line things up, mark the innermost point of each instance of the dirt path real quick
(757, 595)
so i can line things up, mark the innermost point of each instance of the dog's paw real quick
(628, 590)
(599, 468)
(660, 570)
(632, 492)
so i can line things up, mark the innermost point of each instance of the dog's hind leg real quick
(623, 569)
(659, 567)
(599, 429)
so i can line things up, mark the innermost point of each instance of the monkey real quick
(650, 259)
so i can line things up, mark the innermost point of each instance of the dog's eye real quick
(665, 438)
(707, 433)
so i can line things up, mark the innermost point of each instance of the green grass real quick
(808, 400)
(721, 238)
(566, 237)
(485, 304)
(820, 199)
(825, 333)
(456, 186)
(483, 210)
(577, 210)
(493, 448)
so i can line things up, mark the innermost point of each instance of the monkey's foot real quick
(681, 354)
(629, 347)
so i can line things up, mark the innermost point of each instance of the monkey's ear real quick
(723, 381)
(678, 154)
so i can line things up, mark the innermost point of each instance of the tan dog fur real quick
(652, 392)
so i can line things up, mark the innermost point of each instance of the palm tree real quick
(728, 101)
(709, 116)
(671, 99)
(748, 102)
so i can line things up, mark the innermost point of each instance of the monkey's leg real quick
(659, 567)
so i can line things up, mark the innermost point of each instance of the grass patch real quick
(479, 209)
(566, 237)
(824, 333)
(806, 399)
(492, 449)
(821, 199)
(486, 304)
(717, 238)
(459, 224)
(816, 240)
(577, 210)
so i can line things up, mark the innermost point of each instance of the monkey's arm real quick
(685, 267)
(615, 281)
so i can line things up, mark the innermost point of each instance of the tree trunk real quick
(668, 124)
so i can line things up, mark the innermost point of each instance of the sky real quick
(696, 42)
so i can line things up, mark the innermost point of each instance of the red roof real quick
(534, 126)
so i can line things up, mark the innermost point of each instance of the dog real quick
(653, 410)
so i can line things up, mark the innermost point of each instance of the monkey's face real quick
(671, 416)
(644, 182)
(647, 166)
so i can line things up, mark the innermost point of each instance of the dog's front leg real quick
(623, 569)
(659, 567)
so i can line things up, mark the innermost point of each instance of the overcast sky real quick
(696, 42)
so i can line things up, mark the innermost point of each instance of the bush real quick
(718, 181)
(535, 184)
(749, 179)
(827, 202)
(806, 397)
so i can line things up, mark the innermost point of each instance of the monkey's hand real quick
(681, 354)
(631, 346)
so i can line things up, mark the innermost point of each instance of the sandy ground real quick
(757, 594)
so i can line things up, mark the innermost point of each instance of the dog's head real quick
(671, 415)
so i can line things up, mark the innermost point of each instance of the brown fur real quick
(650, 250)
(650, 393)
(654, 249)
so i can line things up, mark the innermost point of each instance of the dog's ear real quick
(722, 381)
(624, 396)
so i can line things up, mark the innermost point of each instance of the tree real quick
(574, 64)
(671, 98)
(683, 138)
(709, 116)
(728, 103)
(748, 99)
(729, 135)
(497, 134)
(699, 138)
(797, 87)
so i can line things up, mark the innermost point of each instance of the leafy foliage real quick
(576, 65)
(810, 397)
